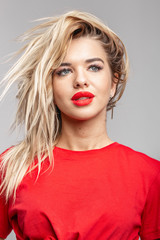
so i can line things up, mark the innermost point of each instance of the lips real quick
(82, 98)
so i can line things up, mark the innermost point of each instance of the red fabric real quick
(110, 193)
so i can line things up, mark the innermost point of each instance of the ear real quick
(114, 84)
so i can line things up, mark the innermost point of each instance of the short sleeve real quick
(5, 227)
(150, 229)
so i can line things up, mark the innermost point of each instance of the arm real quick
(151, 214)
(5, 227)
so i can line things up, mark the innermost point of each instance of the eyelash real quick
(96, 66)
(59, 73)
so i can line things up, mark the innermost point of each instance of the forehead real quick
(83, 48)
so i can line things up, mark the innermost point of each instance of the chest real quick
(71, 201)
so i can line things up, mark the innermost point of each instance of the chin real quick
(82, 117)
(84, 114)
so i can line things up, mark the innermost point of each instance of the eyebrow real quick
(94, 59)
(87, 61)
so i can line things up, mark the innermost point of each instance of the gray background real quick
(136, 117)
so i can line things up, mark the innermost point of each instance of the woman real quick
(67, 179)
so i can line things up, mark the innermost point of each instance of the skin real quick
(83, 127)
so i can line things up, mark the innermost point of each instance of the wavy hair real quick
(44, 50)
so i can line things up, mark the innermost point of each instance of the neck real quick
(84, 135)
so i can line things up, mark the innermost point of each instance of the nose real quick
(80, 80)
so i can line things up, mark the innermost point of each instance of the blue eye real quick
(95, 68)
(63, 72)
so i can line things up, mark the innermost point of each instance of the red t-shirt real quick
(108, 193)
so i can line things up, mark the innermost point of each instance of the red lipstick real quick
(82, 98)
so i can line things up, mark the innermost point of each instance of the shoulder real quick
(6, 151)
(4, 157)
(136, 160)
(130, 153)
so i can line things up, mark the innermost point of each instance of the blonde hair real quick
(45, 49)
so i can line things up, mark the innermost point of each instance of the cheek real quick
(105, 88)
(60, 94)
(57, 87)
(104, 82)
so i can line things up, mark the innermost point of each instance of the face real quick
(82, 84)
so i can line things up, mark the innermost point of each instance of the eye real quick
(95, 68)
(63, 72)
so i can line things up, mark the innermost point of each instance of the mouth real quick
(82, 98)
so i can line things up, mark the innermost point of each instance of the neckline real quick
(68, 151)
